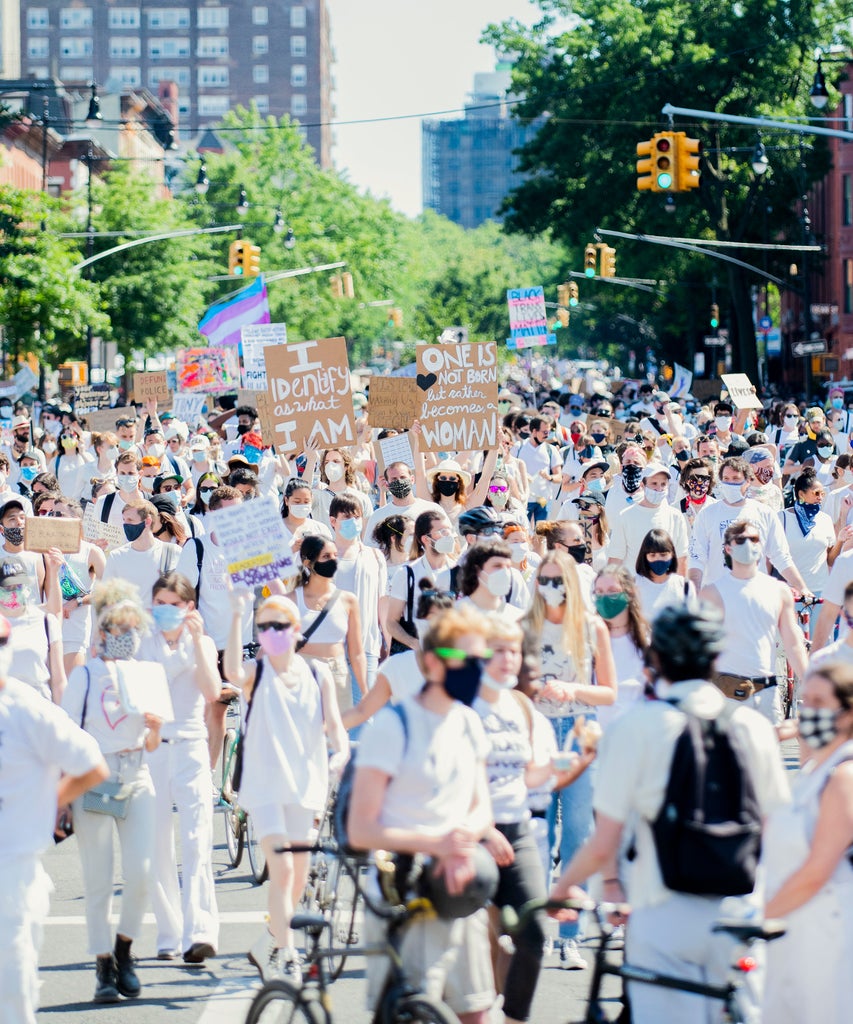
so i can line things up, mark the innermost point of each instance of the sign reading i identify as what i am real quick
(310, 398)
(460, 397)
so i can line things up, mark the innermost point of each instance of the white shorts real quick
(292, 821)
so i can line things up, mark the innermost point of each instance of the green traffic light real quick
(573, 302)
(238, 271)
(715, 322)
(590, 271)
(664, 180)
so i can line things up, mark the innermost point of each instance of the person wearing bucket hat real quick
(766, 487)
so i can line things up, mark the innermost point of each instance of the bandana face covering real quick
(631, 478)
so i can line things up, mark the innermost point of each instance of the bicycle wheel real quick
(257, 860)
(234, 826)
(342, 893)
(420, 1008)
(279, 1002)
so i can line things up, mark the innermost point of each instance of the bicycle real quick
(745, 932)
(803, 611)
(281, 1002)
(239, 832)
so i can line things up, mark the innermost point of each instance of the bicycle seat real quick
(311, 923)
(746, 931)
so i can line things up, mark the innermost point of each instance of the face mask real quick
(275, 642)
(48, 447)
(123, 646)
(350, 529)
(463, 683)
(5, 412)
(5, 661)
(335, 471)
(199, 457)
(498, 498)
(68, 444)
(825, 453)
(698, 487)
(444, 545)
(29, 473)
(596, 485)
(609, 606)
(168, 616)
(157, 451)
(14, 534)
(837, 403)
(111, 453)
(13, 597)
(519, 552)
(747, 553)
(731, 493)
(578, 552)
(173, 497)
(598, 438)
(133, 531)
(326, 569)
(553, 596)
(654, 497)
(126, 482)
(659, 568)
(791, 421)
(682, 456)
(299, 511)
(764, 474)
(125, 445)
(146, 483)
(204, 495)
(498, 582)
(722, 422)
(243, 428)
(631, 478)
(496, 687)
(448, 487)
(400, 488)
(817, 726)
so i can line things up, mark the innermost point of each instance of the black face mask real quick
(326, 569)
(448, 487)
(631, 476)
(578, 552)
(243, 428)
(463, 683)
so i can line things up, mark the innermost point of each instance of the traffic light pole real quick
(758, 122)
(154, 238)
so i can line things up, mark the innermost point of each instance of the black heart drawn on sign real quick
(426, 381)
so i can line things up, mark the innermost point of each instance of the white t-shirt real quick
(399, 587)
(29, 650)
(537, 458)
(142, 568)
(809, 551)
(214, 604)
(180, 667)
(106, 719)
(656, 596)
(38, 741)
(630, 680)
(634, 522)
(840, 575)
(403, 674)
(544, 749)
(508, 731)
(366, 576)
(618, 499)
(706, 544)
(434, 765)
(31, 562)
(383, 512)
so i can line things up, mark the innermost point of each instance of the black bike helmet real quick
(687, 640)
(476, 520)
(474, 896)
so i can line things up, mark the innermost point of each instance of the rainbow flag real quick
(222, 322)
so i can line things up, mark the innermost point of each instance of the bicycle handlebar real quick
(514, 920)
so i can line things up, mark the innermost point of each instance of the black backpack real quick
(708, 830)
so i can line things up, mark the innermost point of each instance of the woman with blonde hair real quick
(578, 679)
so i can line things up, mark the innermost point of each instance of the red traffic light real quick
(663, 145)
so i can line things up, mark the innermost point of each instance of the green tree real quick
(599, 86)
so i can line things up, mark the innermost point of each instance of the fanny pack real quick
(111, 798)
(742, 687)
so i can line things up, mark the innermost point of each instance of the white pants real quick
(180, 771)
(95, 841)
(675, 938)
(768, 702)
(24, 898)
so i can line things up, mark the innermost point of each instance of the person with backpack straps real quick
(290, 718)
(807, 858)
(645, 760)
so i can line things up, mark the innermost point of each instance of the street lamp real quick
(94, 116)
(242, 202)
(818, 92)
(278, 224)
(759, 160)
(289, 239)
(202, 182)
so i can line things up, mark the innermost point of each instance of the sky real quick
(398, 57)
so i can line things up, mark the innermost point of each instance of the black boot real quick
(127, 981)
(106, 990)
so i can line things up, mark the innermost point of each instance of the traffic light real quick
(573, 293)
(563, 317)
(663, 161)
(251, 260)
(347, 285)
(715, 316)
(235, 259)
(645, 181)
(686, 163)
(563, 294)
(589, 260)
(337, 286)
(608, 261)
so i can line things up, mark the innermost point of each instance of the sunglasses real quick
(550, 581)
(54, 513)
(276, 627)
(125, 423)
(206, 490)
(743, 540)
(498, 488)
(448, 479)
(455, 654)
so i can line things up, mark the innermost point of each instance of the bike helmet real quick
(687, 640)
(479, 520)
(474, 896)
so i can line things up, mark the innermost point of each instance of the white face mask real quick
(493, 684)
(553, 596)
(112, 453)
(125, 482)
(157, 451)
(498, 582)
(519, 551)
(443, 545)
(146, 483)
(791, 421)
(747, 553)
(300, 511)
(732, 493)
(722, 422)
(335, 471)
(654, 497)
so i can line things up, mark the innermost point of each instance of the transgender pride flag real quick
(221, 323)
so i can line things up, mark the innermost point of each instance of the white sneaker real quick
(548, 947)
(570, 958)
(266, 956)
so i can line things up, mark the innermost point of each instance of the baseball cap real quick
(590, 497)
(200, 444)
(12, 503)
(13, 571)
(757, 454)
(580, 470)
(653, 468)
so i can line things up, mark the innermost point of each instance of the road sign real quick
(824, 309)
(713, 339)
(808, 348)
(765, 323)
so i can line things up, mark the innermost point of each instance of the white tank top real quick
(753, 608)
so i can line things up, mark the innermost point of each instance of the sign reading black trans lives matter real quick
(460, 397)
(310, 398)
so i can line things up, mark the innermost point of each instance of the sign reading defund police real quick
(310, 398)
(460, 397)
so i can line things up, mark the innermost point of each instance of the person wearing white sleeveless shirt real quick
(755, 608)
(292, 716)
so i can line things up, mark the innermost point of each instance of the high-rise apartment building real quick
(276, 55)
(468, 163)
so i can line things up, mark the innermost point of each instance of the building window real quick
(299, 76)
(260, 15)
(262, 103)
(848, 286)
(75, 17)
(260, 73)
(847, 200)
(162, 74)
(210, 76)
(260, 46)
(184, 108)
(127, 76)
(212, 46)
(298, 104)
(298, 46)
(38, 17)
(38, 71)
(80, 73)
(213, 17)
(168, 17)
(212, 106)
(75, 47)
(38, 47)
(124, 17)
(158, 48)
(298, 18)
(122, 47)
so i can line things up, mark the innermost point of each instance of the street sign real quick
(713, 339)
(765, 323)
(824, 309)
(808, 348)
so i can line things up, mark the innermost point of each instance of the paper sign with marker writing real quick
(741, 391)
(187, 408)
(395, 449)
(254, 339)
(308, 383)
(41, 533)
(143, 689)
(94, 529)
(460, 397)
(252, 535)
(153, 384)
(394, 402)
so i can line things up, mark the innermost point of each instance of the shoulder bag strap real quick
(259, 669)
(86, 697)
(315, 625)
(107, 507)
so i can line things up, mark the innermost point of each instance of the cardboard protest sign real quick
(394, 402)
(105, 419)
(702, 390)
(308, 383)
(41, 533)
(187, 408)
(265, 416)
(208, 371)
(616, 427)
(253, 537)
(253, 340)
(90, 399)
(741, 391)
(94, 529)
(460, 397)
(152, 384)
